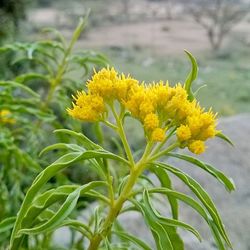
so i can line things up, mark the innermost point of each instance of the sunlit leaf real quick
(208, 168)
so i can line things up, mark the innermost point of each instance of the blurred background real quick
(151, 34)
(147, 38)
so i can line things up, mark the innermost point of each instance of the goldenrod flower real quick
(5, 117)
(157, 106)
(196, 147)
(87, 107)
(158, 135)
(151, 121)
(183, 133)
(109, 85)
(102, 83)
(123, 87)
(146, 107)
(138, 104)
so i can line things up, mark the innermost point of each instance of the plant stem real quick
(135, 171)
(163, 152)
(122, 134)
(114, 212)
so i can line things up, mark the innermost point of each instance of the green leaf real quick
(64, 211)
(132, 239)
(227, 182)
(158, 231)
(30, 76)
(52, 196)
(7, 224)
(80, 137)
(78, 226)
(196, 206)
(19, 85)
(182, 197)
(80, 27)
(49, 172)
(225, 138)
(57, 34)
(169, 222)
(107, 244)
(191, 76)
(25, 108)
(166, 182)
(201, 194)
(72, 147)
(217, 237)
(49, 44)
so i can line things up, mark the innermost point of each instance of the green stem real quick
(56, 80)
(114, 212)
(160, 145)
(122, 134)
(135, 171)
(163, 152)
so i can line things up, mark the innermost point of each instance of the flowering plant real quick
(35, 85)
(170, 118)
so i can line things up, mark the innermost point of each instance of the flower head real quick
(87, 107)
(158, 106)
(183, 133)
(151, 122)
(5, 117)
(196, 147)
(158, 135)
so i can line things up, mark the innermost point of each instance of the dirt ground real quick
(162, 36)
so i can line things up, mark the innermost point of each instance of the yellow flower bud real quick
(158, 135)
(183, 133)
(197, 147)
(151, 121)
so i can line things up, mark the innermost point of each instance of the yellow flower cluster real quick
(5, 117)
(157, 106)
(196, 129)
(111, 86)
(87, 107)
(104, 87)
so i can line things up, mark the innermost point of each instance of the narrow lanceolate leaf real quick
(159, 232)
(196, 206)
(202, 195)
(227, 182)
(80, 137)
(191, 76)
(133, 239)
(30, 76)
(52, 196)
(78, 226)
(49, 172)
(72, 147)
(166, 182)
(18, 85)
(166, 221)
(7, 224)
(225, 138)
(217, 237)
(64, 211)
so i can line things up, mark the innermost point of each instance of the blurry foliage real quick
(11, 13)
(38, 84)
